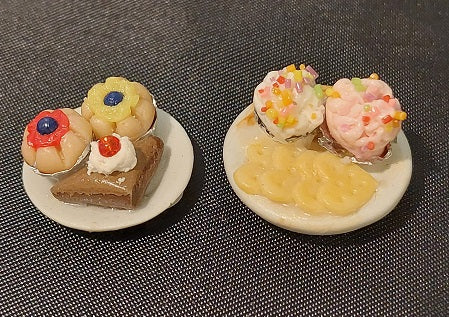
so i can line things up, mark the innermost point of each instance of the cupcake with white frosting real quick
(288, 103)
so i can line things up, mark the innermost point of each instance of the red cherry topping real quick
(109, 145)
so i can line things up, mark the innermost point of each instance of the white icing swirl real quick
(306, 107)
(123, 161)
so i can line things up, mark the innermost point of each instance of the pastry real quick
(362, 118)
(119, 106)
(117, 189)
(288, 103)
(55, 140)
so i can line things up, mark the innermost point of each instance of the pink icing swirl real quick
(363, 120)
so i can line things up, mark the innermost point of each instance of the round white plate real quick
(393, 176)
(165, 189)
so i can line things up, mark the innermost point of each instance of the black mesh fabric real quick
(210, 255)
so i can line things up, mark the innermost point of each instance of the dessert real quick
(362, 118)
(120, 187)
(303, 188)
(55, 140)
(288, 103)
(315, 182)
(119, 106)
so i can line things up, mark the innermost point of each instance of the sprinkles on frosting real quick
(279, 106)
(390, 121)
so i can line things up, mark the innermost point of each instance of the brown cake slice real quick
(118, 190)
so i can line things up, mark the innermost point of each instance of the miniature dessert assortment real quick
(288, 103)
(117, 114)
(122, 187)
(293, 156)
(119, 106)
(55, 140)
(362, 117)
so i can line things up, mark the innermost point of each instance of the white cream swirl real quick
(123, 161)
(306, 108)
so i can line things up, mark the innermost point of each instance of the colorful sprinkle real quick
(374, 76)
(290, 119)
(298, 88)
(276, 91)
(308, 80)
(396, 123)
(386, 98)
(288, 83)
(366, 120)
(370, 145)
(281, 79)
(386, 119)
(312, 71)
(276, 85)
(263, 109)
(313, 116)
(357, 82)
(302, 67)
(286, 96)
(269, 104)
(261, 91)
(318, 91)
(400, 115)
(329, 91)
(367, 108)
(272, 113)
(298, 75)
(290, 68)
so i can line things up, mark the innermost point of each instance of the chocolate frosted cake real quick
(119, 189)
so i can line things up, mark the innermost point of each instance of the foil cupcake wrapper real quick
(327, 142)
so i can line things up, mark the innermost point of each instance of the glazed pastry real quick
(288, 103)
(119, 106)
(362, 118)
(55, 140)
(119, 180)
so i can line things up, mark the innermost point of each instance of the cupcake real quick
(56, 140)
(362, 118)
(119, 106)
(288, 103)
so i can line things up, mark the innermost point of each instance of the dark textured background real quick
(210, 255)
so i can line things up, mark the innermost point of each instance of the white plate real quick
(393, 177)
(165, 189)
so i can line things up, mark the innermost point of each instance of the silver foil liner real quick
(153, 125)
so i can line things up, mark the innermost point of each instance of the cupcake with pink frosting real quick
(362, 118)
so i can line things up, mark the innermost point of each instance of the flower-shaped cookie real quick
(119, 106)
(55, 140)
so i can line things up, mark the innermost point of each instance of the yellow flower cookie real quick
(119, 106)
